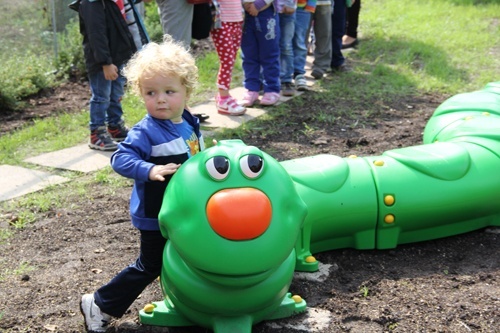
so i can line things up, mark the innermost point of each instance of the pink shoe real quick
(229, 106)
(270, 98)
(250, 98)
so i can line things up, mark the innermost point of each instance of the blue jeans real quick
(302, 21)
(105, 103)
(116, 297)
(287, 27)
(260, 46)
(338, 30)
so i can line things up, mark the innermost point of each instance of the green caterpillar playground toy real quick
(239, 222)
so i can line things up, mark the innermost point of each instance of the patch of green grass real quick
(25, 210)
(44, 135)
(109, 177)
(4, 235)
(438, 46)
(364, 291)
(392, 326)
(23, 268)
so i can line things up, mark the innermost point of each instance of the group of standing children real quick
(275, 42)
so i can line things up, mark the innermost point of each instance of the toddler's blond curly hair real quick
(165, 59)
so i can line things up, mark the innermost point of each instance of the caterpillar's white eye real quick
(251, 165)
(218, 167)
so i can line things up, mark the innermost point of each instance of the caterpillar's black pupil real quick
(221, 164)
(255, 163)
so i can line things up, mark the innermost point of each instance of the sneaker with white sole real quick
(229, 106)
(250, 98)
(118, 132)
(95, 319)
(100, 139)
(301, 83)
(270, 98)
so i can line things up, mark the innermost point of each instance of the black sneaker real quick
(101, 140)
(317, 75)
(287, 89)
(118, 132)
(341, 69)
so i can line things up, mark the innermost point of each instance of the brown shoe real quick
(287, 89)
(341, 69)
(317, 75)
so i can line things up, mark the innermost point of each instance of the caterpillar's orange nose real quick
(239, 214)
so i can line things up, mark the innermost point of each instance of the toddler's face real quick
(165, 97)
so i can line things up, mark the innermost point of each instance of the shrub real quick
(152, 22)
(21, 77)
(70, 59)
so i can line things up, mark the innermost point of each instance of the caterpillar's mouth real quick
(234, 280)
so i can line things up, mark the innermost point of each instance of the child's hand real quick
(250, 8)
(158, 171)
(110, 72)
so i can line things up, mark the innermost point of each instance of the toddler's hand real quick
(158, 172)
(250, 8)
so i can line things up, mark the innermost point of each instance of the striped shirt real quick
(231, 10)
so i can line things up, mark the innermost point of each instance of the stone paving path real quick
(16, 181)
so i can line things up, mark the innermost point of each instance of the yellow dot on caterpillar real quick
(486, 114)
(389, 200)
(149, 308)
(389, 218)
(310, 259)
(353, 156)
(297, 298)
(378, 163)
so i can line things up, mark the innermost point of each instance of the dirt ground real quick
(446, 285)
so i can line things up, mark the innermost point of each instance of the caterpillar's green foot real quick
(291, 305)
(307, 264)
(161, 314)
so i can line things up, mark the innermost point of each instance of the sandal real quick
(201, 116)
(270, 98)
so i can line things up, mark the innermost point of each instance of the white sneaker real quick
(229, 106)
(95, 319)
(301, 83)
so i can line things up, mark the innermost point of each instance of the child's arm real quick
(130, 159)
(310, 6)
(262, 4)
